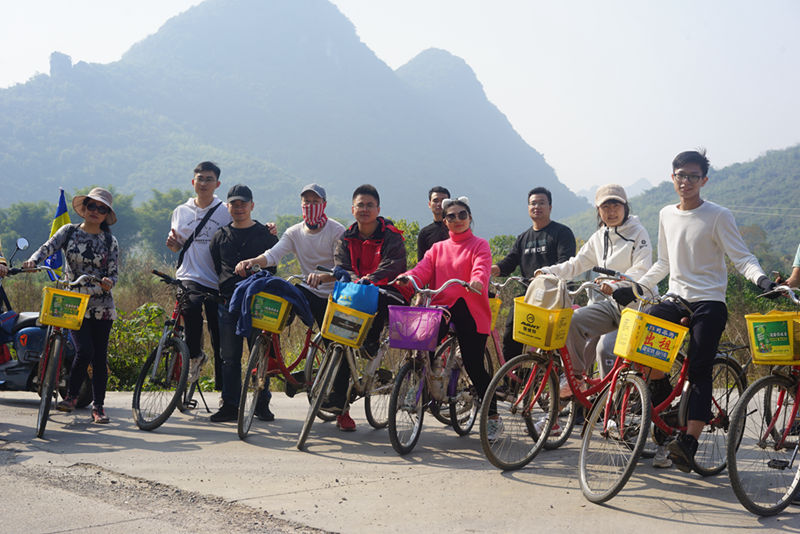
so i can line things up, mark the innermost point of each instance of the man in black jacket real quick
(241, 239)
(545, 243)
(436, 231)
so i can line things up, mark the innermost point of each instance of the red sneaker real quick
(345, 423)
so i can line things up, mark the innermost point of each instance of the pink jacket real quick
(463, 256)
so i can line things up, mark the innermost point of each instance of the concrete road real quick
(191, 475)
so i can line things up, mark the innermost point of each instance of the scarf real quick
(314, 215)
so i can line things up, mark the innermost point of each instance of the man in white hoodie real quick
(193, 225)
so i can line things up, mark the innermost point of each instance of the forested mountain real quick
(279, 93)
(763, 195)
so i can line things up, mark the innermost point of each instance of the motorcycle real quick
(22, 342)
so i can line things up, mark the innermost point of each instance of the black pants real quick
(510, 347)
(472, 345)
(193, 322)
(705, 329)
(317, 304)
(91, 344)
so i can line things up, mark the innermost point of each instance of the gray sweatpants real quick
(589, 323)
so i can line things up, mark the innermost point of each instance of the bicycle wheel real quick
(563, 425)
(48, 384)
(320, 388)
(376, 400)
(254, 381)
(314, 358)
(407, 407)
(611, 446)
(160, 384)
(463, 401)
(515, 387)
(727, 387)
(764, 471)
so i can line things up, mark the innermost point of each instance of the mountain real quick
(762, 194)
(279, 93)
(636, 188)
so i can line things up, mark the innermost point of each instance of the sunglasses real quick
(462, 216)
(99, 208)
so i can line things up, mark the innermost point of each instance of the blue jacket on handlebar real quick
(274, 285)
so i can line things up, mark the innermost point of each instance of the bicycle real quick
(370, 378)
(619, 421)
(764, 439)
(267, 359)
(62, 310)
(424, 383)
(162, 383)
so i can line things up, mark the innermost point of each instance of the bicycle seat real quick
(26, 319)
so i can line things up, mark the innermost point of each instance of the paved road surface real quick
(194, 476)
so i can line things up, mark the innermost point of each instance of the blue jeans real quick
(231, 351)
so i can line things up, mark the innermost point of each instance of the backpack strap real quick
(197, 229)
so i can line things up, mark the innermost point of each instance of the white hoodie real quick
(625, 248)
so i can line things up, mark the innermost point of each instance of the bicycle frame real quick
(276, 363)
(172, 327)
(52, 331)
(779, 406)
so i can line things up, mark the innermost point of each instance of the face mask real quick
(314, 215)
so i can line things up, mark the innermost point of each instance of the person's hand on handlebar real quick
(314, 279)
(476, 286)
(28, 264)
(3, 270)
(767, 287)
(106, 283)
(607, 289)
(244, 267)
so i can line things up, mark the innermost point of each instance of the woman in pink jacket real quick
(469, 258)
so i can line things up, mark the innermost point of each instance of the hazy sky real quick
(608, 91)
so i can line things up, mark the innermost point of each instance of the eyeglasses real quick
(99, 208)
(691, 178)
(367, 206)
(462, 216)
(203, 179)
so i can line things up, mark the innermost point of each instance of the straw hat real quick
(100, 195)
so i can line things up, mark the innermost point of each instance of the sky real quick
(607, 91)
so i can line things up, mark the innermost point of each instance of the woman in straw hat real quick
(89, 248)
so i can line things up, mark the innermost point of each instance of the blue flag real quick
(56, 260)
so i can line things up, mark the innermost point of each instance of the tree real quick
(410, 233)
(154, 218)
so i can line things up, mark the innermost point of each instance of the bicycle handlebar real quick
(432, 292)
(382, 291)
(784, 290)
(82, 278)
(519, 279)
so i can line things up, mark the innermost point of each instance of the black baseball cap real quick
(240, 192)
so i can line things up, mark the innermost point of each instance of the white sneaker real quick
(195, 365)
(661, 459)
(494, 429)
(539, 426)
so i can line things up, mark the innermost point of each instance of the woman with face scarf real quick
(313, 242)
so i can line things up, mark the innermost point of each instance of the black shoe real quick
(264, 414)
(226, 413)
(291, 389)
(334, 403)
(682, 451)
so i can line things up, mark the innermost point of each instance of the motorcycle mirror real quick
(22, 243)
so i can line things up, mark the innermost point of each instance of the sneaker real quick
(540, 424)
(67, 405)
(265, 414)
(345, 423)
(410, 402)
(682, 451)
(494, 429)
(661, 459)
(227, 412)
(565, 391)
(195, 365)
(99, 415)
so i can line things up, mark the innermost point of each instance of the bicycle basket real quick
(269, 312)
(414, 328)
(345, 325)
(648, 340)
(494, 305)
(63, 308)
(773, 337)
(540, 327)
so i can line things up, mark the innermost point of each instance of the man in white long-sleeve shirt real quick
(693, 238)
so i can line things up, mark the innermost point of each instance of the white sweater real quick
(198, 266)
(310, 249)
(691, 248)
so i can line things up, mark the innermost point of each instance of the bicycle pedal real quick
(191, 405)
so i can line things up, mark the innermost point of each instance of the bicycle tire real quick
(407, 407)
(320, 388)
(727, 388)
(463, 402)
(253, 383)
(515, 386)
(758, 472)
(376, 399)
(158, 392)
(563, 425)
(608, 456)
(312, 365)
(48, 384)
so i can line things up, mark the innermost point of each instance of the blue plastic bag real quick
(361, 297)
